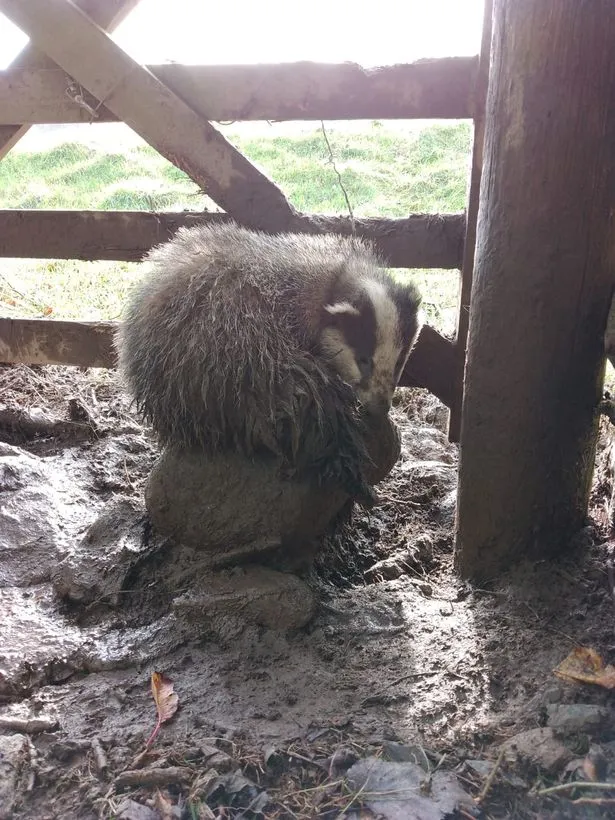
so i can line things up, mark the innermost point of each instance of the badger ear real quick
(342, 308)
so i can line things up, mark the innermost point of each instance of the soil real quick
(402, 660)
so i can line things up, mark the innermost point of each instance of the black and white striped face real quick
(369, 337)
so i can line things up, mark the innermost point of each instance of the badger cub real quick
(280, 345)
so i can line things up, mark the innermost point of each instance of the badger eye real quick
(364, 363)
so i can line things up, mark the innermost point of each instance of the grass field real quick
(386, 170)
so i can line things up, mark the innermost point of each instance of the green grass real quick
(386, 171)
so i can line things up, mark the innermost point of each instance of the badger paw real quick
(365, 496)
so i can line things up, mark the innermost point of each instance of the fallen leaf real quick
(398, 791)
(165, 699)
(47, 311)
(595, 766)
(236, 790)
(164, 806)
(584, 665)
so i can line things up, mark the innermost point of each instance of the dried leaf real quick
(165, 699)
(584, 665)
(589, 769)
(595, 765)
(47, 311)
(163, 805)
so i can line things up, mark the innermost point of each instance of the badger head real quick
(367, 333)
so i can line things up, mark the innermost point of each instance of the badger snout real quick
(378, 405)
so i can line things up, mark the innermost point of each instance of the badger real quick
(279, 345)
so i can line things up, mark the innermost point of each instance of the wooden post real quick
(106, 13)
(467, 268)
(84, 51)
(90, 344)
(428, 89)
(544, 269)
(415, 241)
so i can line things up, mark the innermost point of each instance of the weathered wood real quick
(544, 272)
(427, 89)
(90, 344)
(90, 235)
(107, 13)
(47, 341)
(83, 50)
(467, 267)
(432, 365)
(418, 241)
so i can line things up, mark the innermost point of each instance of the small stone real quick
(131, 810)
(33, 534)
(66, 750)
(217, 759)
(340, 761)
(107, 552)
(482, 768)
(37, 648)
(570, 719)
(405, 753)
(542, 698)
(553, 694)
(423, 545)
(254, 595)
(539, 746)
(445, 509)
(13, 755)
(386, 570)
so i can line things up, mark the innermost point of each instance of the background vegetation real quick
(386, 169)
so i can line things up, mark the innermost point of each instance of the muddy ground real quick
(403, 662)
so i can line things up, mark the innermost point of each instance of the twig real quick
(355, 797)
(305, 759)
(29, 426)
(594, 801)
(29, 726)
(38, 305)
(373, 698)
(311, 789)
(128, 479)
(491, 777)
(248, 808)
(339, 176)
(100, 758)
(576, 784)
(154, 777)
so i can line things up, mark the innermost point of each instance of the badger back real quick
(218, 341)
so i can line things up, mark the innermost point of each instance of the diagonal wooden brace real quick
(137, 97)
(106, 13)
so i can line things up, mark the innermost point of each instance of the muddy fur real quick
(220, 347)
